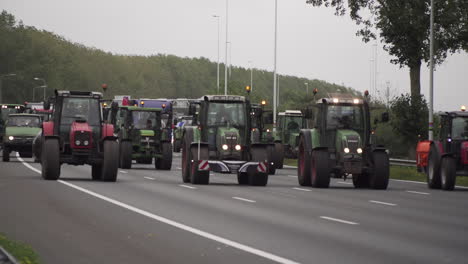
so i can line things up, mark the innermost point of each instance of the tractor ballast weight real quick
(339, 144)
(219, 140)
(141, 136)
(77, 135)
(444, 159)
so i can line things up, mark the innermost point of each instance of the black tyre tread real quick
(279, 150)
(50, 159)
(165, 163)
(256, 178)
(6, 155)
(242, 178)
(126, 155)
(303, 177)
(96, 172)
(448, 173)
(433, 167)
(381, 172)
(110, 163)
(196, 176)
(361, 181)
(321, 169)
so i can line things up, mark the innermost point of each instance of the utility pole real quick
(226, 53)
(431, 75)
(217, 74)
(274, 72)
(251, 76)
(387, 94)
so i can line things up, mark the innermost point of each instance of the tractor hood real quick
(348, 139)
(147, 133)
(22, 131)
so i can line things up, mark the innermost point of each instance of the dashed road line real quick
(342, 182)
(243, 199)
(187, 186)
(292, 176)
(383, 203)
(415, 192)
(300, 189)
(339, 220)
(149, 178)
(121, 171)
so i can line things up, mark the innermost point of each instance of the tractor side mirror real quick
(385, 117)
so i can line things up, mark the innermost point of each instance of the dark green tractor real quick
(5, 110)
(339, 144)
(289, 126)
(141, 136)
(219, 140)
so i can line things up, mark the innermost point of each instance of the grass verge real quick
(400, 173)
(23, 253)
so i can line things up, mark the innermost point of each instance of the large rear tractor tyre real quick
(6, 155)
(50, 159)
(304, 161)
(433, 169)
(186, 163)
(96, 172)
(110, 163)
(279, 150)
(164, 163)
(126, 155)
(176, 145)
(361, 181)
(379, 178)
(320, 171)
(448, 173)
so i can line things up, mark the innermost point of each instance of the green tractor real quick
(141, 136)
(289, 126)
(220, 140)
(5, 110)
(339, 144)
(262, 132)
(180, 122)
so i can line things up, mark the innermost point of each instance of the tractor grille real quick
(82, 136)
(353, 143)
(231, 138)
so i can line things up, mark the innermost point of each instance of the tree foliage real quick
(29, 52)
(403, 26)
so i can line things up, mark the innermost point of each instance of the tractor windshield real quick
(345, 117)
(76, 108)
(226, 114)
(145, 120)
(293, 123)
(24, 121)
(460, 128)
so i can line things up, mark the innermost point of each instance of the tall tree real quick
(403, 27)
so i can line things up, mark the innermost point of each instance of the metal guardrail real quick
(6, 258)
(403, 162)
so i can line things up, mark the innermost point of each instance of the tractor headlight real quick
(346, 150)
(77, 142)
(225, 147)
(238, 147)
(86, 142)
(359, 150)
(11, 137)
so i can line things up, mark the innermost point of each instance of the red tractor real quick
(77, 135)
(442, 160)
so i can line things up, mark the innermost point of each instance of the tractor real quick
(290, 124)
(141, 136)
(5, 110)
(180, 122)
(262, 132)
(77, 135)
(444, 159)
(339, 144)
(220, 140)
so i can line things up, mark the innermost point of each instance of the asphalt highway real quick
(150, 216)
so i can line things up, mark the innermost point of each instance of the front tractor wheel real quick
(164, 163)
(50, 159)
(320, 172)
(6, 155)
(126, 155)
(433, 169)
(361, 181)
(255, 177)
(198, 176)
(96, 172)
(448, 173)
(272, 158)
(279, 150)
(303, 164)
(378, 179)
(110, 163)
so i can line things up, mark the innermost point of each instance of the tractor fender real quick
(107, 131)
(48, 128)
(311, 139)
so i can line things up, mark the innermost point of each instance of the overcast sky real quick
(312, 42)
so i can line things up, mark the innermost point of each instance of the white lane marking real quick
(292, 176)
(167, 221)
(289, 167)
(342, 182)
(384, 203)
(461, 187)
(243, 199)
(300, 189)
(26, 164)
(186, 186)
(179, 168)
(339, 220)
(149, 178)
(424, 193)
(123, 171)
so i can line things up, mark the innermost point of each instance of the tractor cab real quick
(5, 111)
(442, 160)
(289, 126)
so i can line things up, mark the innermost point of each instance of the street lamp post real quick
(274, 72)
(307, 88)
(1, 77)
(431, 75)
(43, 86)
(251, 76)
(217, 77)
(226, 52)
